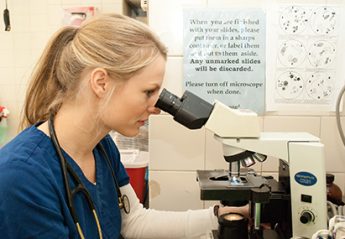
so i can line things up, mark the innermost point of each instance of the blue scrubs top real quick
(32, 194)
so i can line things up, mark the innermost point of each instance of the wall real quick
(176, 152)
(33, 22)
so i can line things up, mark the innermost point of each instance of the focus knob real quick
(306, 217)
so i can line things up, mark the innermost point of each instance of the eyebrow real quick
(155, 85)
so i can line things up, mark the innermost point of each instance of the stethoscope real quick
(123, 200)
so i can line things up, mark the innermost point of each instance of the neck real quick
(77, 132)
(78, 135)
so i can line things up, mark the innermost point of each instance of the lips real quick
(141, 122)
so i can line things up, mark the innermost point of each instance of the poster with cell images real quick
(224, 56)
(305, 61)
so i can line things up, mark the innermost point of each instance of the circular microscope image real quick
(289, 85)
(323, 20)
(319, 85)
(321, 54)
(294, 19)
(292, 53)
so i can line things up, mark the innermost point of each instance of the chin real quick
(130, 133)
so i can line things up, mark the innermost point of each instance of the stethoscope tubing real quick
(67, 169)
(63, 168)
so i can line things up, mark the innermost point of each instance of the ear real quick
(99, 82)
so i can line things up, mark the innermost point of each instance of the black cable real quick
(7, 18)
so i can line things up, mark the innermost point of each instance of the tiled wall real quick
(176, 152)
(33, 22)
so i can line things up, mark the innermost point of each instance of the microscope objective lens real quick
(235, 180)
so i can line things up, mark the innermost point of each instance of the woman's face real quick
(133, 100)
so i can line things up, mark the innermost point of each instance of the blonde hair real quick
(119, 44)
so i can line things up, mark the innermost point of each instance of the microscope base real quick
(267, 234)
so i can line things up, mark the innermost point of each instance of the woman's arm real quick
(149, 223)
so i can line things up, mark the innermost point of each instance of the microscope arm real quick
(273, 144)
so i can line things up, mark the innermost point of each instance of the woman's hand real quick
(243, 210)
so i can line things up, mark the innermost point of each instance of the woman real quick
(103, 76)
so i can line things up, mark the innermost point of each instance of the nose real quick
(153, 110)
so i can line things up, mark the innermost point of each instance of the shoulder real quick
(30, 188)
(25, 158)
(24, 144)
(28, 180)
(26, 184)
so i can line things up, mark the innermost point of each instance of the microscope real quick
(294, 206)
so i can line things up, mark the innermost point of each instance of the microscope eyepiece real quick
(189, 110)
(168, 102)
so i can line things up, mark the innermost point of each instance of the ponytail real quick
(119, 44)
(45, 91)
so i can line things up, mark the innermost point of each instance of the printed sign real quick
(224, 56)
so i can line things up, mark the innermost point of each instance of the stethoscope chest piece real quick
(124, 203)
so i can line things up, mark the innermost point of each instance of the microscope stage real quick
(215, 185)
